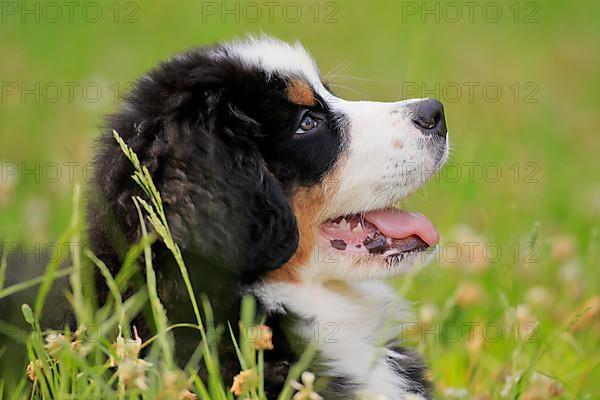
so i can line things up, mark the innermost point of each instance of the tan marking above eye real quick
(300, 92)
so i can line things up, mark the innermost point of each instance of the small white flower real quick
(305, 390)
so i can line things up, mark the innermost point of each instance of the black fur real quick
(219, 140)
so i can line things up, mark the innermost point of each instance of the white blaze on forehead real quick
(275, 56)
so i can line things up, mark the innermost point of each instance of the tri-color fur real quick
(245, 192)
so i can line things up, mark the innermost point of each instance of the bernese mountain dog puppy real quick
(274, 186)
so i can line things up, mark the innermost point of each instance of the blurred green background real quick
(520, 83)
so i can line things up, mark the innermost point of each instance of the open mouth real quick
(387, 232)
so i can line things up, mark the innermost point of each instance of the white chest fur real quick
(350, 323)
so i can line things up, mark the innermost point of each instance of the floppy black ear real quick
(221, 201)
(224, 201)
(272, 228)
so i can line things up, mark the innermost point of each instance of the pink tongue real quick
(400, 224)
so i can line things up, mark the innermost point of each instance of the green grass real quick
(553, 201)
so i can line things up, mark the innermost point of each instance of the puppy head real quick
(349, 227)
(258, 164)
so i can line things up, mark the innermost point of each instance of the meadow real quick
(510, 308)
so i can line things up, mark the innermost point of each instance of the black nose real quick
(428, 116)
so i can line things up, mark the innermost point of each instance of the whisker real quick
(355, 78)
(339, 67)
(350, 89)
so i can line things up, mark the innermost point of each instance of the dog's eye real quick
(308, 123)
